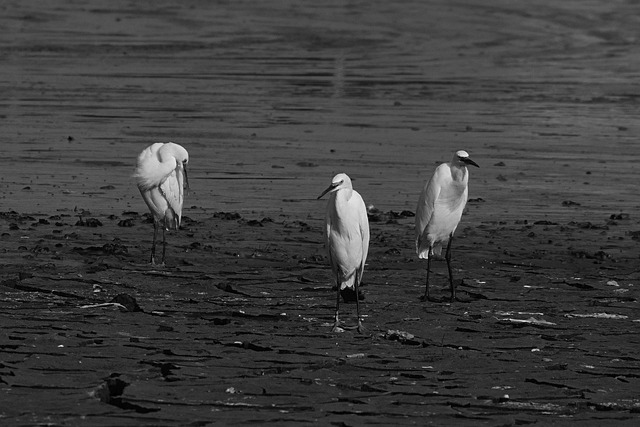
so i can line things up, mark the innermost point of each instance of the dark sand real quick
(271, 99)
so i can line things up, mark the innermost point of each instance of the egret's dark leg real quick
(357, 280)
(448, 258)
(153, 245)
(336, 323)
(164, 243)
(426, 297)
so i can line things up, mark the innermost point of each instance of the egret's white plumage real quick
(439, 211)
(347, 238)
(161, 175)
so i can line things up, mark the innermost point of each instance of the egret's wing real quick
(426, 207)
(173, 192)
(327, 238)
(156, 202)
(338, 252)
(426, 204)
(363, 222)
(146, 165)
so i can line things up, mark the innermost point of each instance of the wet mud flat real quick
(236, 328)
(271, 100)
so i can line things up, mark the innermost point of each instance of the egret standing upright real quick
(161, 175)
(439, 211)
(347, 239)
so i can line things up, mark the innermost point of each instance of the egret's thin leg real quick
(153, 244)
(360, 327)
(336, 323)
(448, 258)
(164, 243)
(425, 297)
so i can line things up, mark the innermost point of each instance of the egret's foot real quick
(361, 329)
(341, 328)
(459, 299)
(337, 327)
(426, 297)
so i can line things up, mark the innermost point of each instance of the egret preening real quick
(347, 238)
(161, 175)
(439, 211)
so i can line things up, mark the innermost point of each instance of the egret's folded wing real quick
(426, 205)
(364, 232)
(172, 190)
(424, 211)
(146, 172)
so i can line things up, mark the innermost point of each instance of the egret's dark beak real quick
(329, 188)
(470, 162)
(186, 177)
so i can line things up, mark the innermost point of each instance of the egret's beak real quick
(470, 162)
(329, 188)
(186, 177)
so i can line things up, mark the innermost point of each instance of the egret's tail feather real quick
(436, 250)
(348, 289)
(348, 283)
(426, 253)
(171, 220)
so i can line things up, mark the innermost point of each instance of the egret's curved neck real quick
(459, 172)
(156, 172)
(167, 165)
(343, 195)
(167, 160)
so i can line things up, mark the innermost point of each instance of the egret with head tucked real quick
(161, 176)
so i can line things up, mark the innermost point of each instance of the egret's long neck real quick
(343, 195)
(459, 173)
(342, 198)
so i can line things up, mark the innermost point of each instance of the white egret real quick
(347, 239)
(439, 211)
(161, 175)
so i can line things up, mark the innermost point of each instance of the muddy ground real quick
(272, 99)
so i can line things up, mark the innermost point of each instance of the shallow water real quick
(273, 99)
